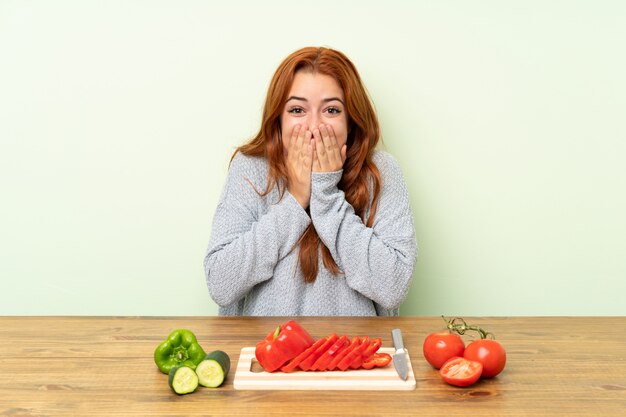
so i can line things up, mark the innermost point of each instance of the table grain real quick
(103, 366)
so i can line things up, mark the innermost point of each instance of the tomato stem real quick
(458, 325)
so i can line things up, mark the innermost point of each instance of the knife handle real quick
(396, 335)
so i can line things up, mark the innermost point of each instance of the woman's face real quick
(315, 99)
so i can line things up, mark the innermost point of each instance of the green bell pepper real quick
(180, 348)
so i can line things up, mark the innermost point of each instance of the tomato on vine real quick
(489, 353)
(462, 365)
(440, 347)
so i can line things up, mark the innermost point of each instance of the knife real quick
(400, 357)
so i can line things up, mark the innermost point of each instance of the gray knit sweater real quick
(251, 265)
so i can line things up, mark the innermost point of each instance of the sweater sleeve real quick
(378, 262)
(246, 243)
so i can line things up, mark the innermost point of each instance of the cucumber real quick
(213, 369)
(183, 379)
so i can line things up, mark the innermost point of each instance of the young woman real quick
(312, 219)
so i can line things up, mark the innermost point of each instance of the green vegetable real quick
(183, 379)
(213, 369)
(180, 348)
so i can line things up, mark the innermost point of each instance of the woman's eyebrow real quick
(326, 100)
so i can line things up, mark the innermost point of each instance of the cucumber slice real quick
(213, 369)
(183, 379)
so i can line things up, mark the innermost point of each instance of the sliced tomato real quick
(307, 362)
(461, 372)
(377, 360)
(324, 360)
(293, 364)
(342, 354)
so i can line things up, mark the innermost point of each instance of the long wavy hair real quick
(359, 171)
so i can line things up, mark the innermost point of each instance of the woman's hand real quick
(299, 163)
(327, 156)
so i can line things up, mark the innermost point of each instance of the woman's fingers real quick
(327, 149)
(294, 138)
(298, 148)
(319, 149)
(316, 162)
(306, 150)
(328, 137)
(319, 144)
(299, 162)
(316, 150)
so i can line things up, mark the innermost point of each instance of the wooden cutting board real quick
(250, 376)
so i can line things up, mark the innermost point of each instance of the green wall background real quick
(117, 121)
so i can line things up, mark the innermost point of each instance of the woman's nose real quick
(314, 122)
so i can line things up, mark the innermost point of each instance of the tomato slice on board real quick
(306, 363)
(324, 360)
(355, 342)
(377, 360)
(461, 372)
(293, 364)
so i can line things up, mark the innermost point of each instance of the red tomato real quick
(489, 353)
(461, 372)
(439, 347)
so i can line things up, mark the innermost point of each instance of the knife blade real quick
(400, 357)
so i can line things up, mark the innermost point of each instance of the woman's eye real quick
(295, 110)
(334, 110)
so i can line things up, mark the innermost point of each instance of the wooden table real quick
(97, 366)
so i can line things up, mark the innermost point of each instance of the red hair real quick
(359, 171)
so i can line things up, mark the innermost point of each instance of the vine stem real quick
(458, 325)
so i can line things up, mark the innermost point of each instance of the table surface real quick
(67, 366)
